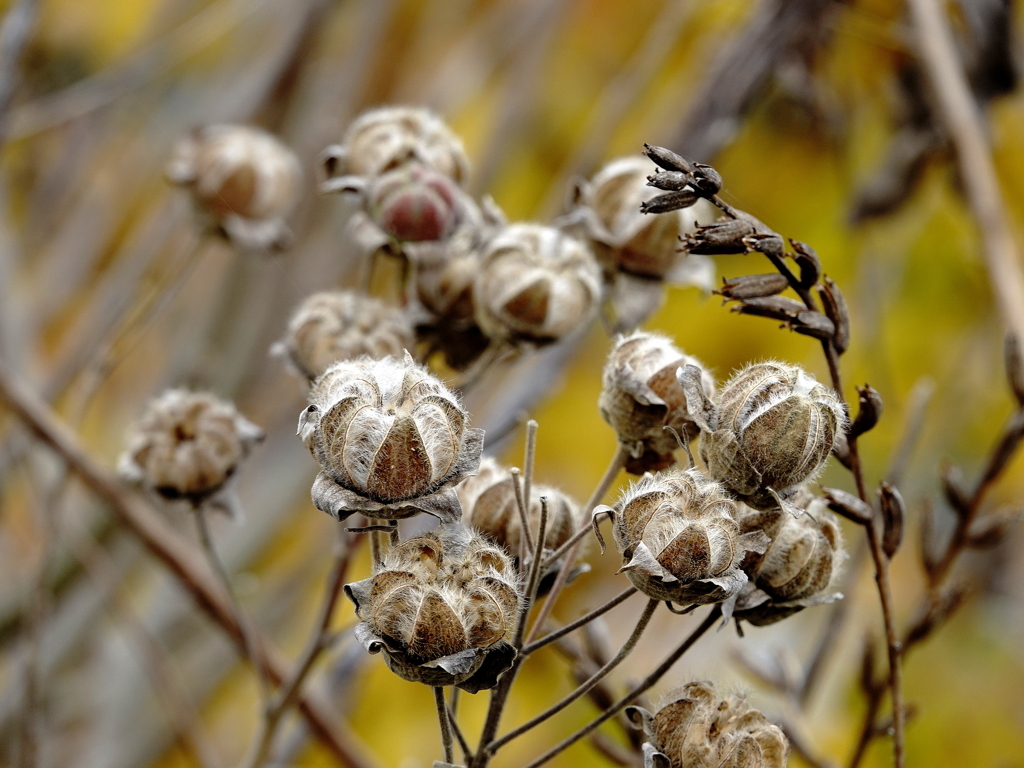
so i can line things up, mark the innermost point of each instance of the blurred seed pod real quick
(342, 325)
(772, 430)
(414, 203)
(536, 285)
(188, 445)
(386, 138)
(242, 178)
(641, 396)
(695, 728)
(391, 441)
(680, 540)
(442, 608)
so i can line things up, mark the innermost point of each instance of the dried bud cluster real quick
(772, 430)
(643, 401)
(680, 540)
(694, 728)
(187, 445)
(442, 608)
(243, 178)
(536, 285)
(343, 325)
(391, 441)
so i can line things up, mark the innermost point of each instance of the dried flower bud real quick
(893, 516)
(679, 538)
(380, 140)
(772, 431)
(726, 235)
(391, 441)
(187, 445)
(642, 396)
(869, 412)
(694, 728)
(414, 203)
(753, 286)
(536, 285)
(807, 260)
(442, 608)
(243, 178)
(834, 304)
(343, 325)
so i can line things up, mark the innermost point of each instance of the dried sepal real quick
(679, 538)
(391, 441)
(835, 308)
(442, 608)
(869, 411)
(893, 516)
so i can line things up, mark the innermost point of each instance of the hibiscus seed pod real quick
(536, 285)
(187, 445)
(343, 325)
(380, 140)
(680, 540)
(774, 429)
(443, 608)
(414, 203)
(391, 441)
(695, 728)
(803, 559)
(642, 396)
(243, 178)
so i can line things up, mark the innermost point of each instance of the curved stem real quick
(580, 622)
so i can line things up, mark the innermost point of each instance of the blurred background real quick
(819, 120)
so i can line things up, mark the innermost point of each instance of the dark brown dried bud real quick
(670, 181)
(753, 286)
(869, 412)
(769, 243)
(989, 531)
(706, 180)
(893, 514)
(535, 285)
(1014, 359)
(244, 179)
(807, 260)
(343, 325)
(835, 309)
(187, 445)
(668, 159)
(679, 538)
(775, 307)
(670, 201)
(849, 506)
(811, 323)
(725, 235)
(442, 608)
(414, 203)
(642, 396)
(772, 431)
(953, 489)
(694, 728)
(391, 441)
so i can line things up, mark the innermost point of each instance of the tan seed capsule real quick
(442, 608)
(643, 400)
(241, 177)
(343, 325)
(414, 203)
(391, 441)
(187, 445)
(535, 286)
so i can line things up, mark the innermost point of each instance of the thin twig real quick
(446, 728)
(580, 622)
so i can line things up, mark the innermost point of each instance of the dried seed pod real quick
(695, 728)
(834, 304)
(752, 286)
(415, 203)
(380, 140)
(772, 431)
(893, 516)
(442, 608)
(242, 178)
(642, 396)
(807, 260)
(187, 445)
(391, 441)
(868, 413)
(680, 540)
(343, 325)
(536, 285)
(726, 235)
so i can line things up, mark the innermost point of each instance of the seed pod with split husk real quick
(535, 286)
(382, 139)
(695, 728)
(391, 441)
(772, 430)
(643, 401)
(188, 445)
(680, 540)
(442, 608)
(243, 179)
(415, 203)
(343, 325)
(801, 566)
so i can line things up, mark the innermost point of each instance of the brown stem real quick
(446, 726)
(580, 622)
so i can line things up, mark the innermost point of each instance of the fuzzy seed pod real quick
(343, 325)
(442, 608)
(800, 566)
(242, 178)
(187, 445)
(773, 430)
(535, 286)
(391, 441)
(680, 540)
(642, 396)
(694, 728)
(380, 140)
(414, 203)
